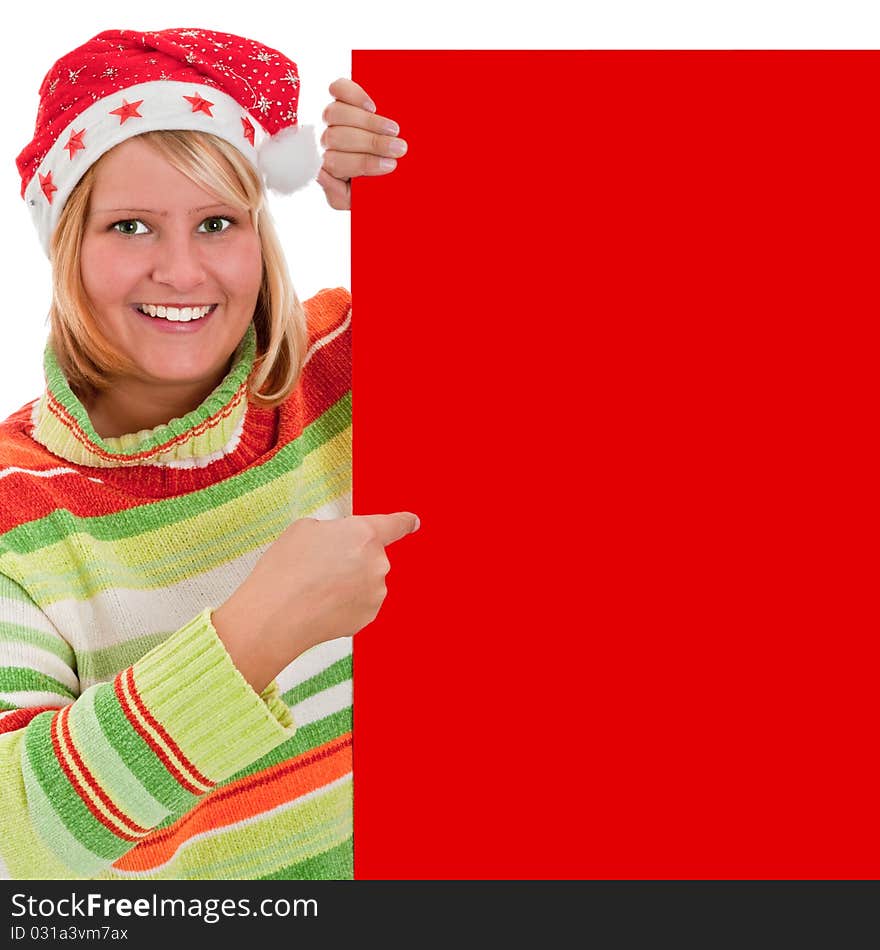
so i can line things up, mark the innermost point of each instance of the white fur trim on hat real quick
(289, 159)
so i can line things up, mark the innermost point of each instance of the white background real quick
(319, 38)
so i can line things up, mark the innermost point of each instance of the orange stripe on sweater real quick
(326, 311)
(247, 798)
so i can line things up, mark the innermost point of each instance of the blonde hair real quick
(90, 362)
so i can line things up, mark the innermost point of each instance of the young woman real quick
(180, 573)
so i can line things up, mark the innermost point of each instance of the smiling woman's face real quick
(154, 237)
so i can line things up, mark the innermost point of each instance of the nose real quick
(178, 260)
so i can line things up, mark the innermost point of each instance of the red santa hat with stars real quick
(123, 82)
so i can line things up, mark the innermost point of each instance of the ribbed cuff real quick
(271, 696)
(190, 685)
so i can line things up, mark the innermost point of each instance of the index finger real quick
(347, 90)
(392, 527)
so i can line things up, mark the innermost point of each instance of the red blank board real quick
(615, 342)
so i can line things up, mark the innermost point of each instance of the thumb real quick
(336, 191)
(392, 527)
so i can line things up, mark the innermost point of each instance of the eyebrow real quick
(161, 214)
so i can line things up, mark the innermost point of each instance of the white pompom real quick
(289, 159)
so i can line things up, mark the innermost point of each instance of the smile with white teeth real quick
(175, 314)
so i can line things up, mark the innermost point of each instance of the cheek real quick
(245, 268)
(90, 268)
(105, 276)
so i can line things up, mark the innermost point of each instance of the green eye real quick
(131, 221)
(218, 230)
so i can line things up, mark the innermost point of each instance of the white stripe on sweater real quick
(45, 473)
(322, 704)
(328, 338)
(24, 699)
(26, 614)
(311, 662)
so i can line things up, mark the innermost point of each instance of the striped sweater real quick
(130, 744)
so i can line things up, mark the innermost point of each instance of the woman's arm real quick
(85, 776)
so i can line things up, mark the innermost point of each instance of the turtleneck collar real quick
(207, 433)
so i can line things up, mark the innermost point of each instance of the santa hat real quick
(123, 82)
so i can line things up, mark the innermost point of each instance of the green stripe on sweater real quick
(333, 675)
(100, 665)
(17, 633)
(106, 766)
(11, 591)
(137, 754)
(21, 679)
(65, 802)
(336, 864)
(56, 844)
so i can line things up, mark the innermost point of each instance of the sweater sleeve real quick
(84, 776)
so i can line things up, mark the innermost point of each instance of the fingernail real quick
(418, 525)
(386, 164)
(397, 147)
(369, 105)
(392, 128)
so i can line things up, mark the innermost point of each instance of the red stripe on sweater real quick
(193, 771)
(97, 814)
(90, 780)
(161, 754)
(19, 718)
